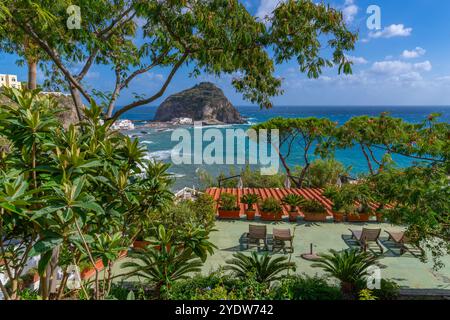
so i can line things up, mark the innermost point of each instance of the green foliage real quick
(294, 201)
(323, 172)
(313, 206)
(215, 37)
(77, 193)
(250, 199)
(389, 290)
(305, 288)
(263, 268)
(228, 202)
(270, 205)
(165, 261)
(348, 266)
(366, 294)
(217, 286)
(28, 294)
(419, 196)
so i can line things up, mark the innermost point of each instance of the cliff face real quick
(204, 102)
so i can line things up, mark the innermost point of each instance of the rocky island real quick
(204, 102)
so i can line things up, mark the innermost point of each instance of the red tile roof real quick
(310, 194)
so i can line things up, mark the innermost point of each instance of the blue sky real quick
(407, 62)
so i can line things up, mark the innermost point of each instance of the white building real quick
(123, 125)
(9, 81)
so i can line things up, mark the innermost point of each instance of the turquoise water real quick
(159, 144)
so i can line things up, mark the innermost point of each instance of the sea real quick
(160, 142)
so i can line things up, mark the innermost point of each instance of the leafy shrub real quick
(217, 286)
(366, 294)
(29, 294)
(271, 205)
(305, 288)
(228, 202)
(250, 199)
(323, 172)
(204, 208)
(313, 206)
(389, 290)
(293, 200)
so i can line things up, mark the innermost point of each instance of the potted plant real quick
(250, 200)
(271, 209)
(294, 201)
(362, 198)
(379, 213)
(343, 200)
(314, 211)
(361, 213)
(228, 208)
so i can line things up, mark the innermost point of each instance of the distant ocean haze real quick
(159, 144)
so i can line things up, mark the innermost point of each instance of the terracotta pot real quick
(361, 217)
(293, 216)
(338, 217)
(140, 244)
(229, 214)
(250, 215)
(315, 217)
(89, 272)
(270, 216)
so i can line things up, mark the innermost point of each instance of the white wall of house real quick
(10, 81)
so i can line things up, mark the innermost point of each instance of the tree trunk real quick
(76, 97)
(32, 74)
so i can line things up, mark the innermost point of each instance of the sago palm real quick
(348, 266)
(294, 201)
(163, 262)
(264, 268)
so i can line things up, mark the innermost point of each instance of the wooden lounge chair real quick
(366, 236)
(256, 234)
(400, 239)
(280, 237)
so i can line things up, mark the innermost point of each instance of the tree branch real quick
(155, 96)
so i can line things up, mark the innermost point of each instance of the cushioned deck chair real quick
(401, 240)
(256, 234)
(280, 238)
(367, 236)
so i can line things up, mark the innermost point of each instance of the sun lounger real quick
(367, 236)
(256, 234)
(280, 238)
(400, 239)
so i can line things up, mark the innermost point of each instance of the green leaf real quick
(45, 211)
(43, 262)
(45, 245)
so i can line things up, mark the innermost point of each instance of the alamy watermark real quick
(374, 20)
(212, 146)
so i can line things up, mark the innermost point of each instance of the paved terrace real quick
(406, 270)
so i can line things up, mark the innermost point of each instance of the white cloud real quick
(357, 60)
(423, 66)
(415, 53)
(154, 76)
(350, 11)
(266, 7)
(394, 30)
(397, 68)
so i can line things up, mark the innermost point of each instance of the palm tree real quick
(163, 262)
(294, 201)
(264, 268)
(348, 266)
(162, 267)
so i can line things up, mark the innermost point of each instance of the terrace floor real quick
(406, 270)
